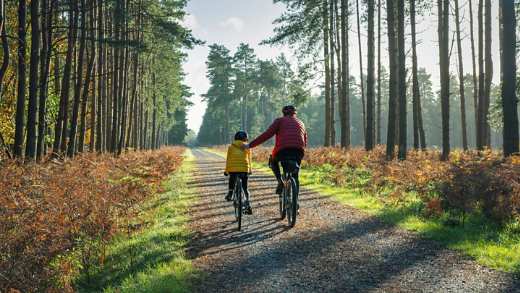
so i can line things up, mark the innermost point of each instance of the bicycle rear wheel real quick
(281, 204)
(238, 202)
(292, 199)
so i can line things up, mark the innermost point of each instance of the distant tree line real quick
(246, 92)
(95, 75)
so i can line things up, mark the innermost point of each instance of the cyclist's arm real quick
(270, 132)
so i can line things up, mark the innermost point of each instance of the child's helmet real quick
(241, 135)
(289, 110)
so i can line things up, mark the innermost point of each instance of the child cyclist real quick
(238, 164)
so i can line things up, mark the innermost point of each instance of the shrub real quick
(50, 210)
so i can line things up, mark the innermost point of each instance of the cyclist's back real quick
(290, 141)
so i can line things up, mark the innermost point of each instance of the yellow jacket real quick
(238, 160)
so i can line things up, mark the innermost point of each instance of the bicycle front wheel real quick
(292, 198)
(238, 203)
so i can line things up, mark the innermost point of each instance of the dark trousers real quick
(290, 154)
(233, 179)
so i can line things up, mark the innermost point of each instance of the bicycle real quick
(288, 199)
(238, 201)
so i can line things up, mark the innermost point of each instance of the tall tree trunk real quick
(474, 68)
(415, 81)
(393, 90)
(89, 81)
(482, 120)
(101, 99)
(154, 112)
(379, 71)
(509, 98)
(340, 68)
(65, 86)
(489, 72)
(443, 30)
(345, 101)
(361, 78)
(71, 149)
(5, 45)
(332, 76)
(95, 80)
(369, 142)
(32, 109)
(45, 60)
(402, 82)
(461, 79)
(326, 56)
(20, 101)
(419, 139)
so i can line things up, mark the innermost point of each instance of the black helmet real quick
(241, 135)
(289, 110)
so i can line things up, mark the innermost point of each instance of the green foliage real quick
(246, 93)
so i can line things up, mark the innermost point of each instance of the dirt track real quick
(333, 248)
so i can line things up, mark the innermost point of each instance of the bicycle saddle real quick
(290, 166)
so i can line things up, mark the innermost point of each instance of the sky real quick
(226, 22)
(231, 22)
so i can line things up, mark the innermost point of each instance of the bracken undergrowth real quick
(58, 215)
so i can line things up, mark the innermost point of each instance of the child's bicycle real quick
(238, 201)
(288, 199)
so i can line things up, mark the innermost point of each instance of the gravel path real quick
(333, 248)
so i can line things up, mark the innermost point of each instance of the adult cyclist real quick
(290, 142)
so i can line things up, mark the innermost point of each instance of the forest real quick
(410, 180)
(396, 103)
(99, 76)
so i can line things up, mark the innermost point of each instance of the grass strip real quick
(152, 259)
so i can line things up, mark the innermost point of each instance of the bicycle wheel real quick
(292, 196)
(281, 204)
(238, 202)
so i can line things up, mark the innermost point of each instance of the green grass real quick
(153, 259)
(488, 243)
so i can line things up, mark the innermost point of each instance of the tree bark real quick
(461, 79)
(474, 63)
(489, 72)
(89, 81)
(345, 101)
(32, 109)
(5, 45)
(61, 121)
(379, 70)
(361, 78)
(332, 76)
(509, 98)
(20, 101)
(392, 97)
(326, 56)
(482, 119)
(71, 149)
(402, 82)
(48, 10)
(369, 134)
(443, 30)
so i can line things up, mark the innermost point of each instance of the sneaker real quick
(279, 188)
(247, 209)
(229, 195)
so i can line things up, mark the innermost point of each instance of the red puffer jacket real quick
(290, 133)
